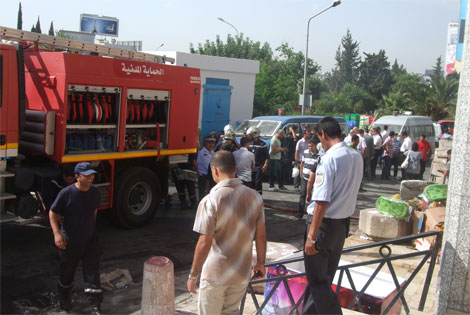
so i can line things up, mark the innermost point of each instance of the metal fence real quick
(386, 259)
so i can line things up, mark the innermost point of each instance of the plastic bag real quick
(295, 172)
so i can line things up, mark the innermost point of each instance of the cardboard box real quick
(417, 222)
(435, 218)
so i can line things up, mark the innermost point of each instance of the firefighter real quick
(260, 149)
(72, 218)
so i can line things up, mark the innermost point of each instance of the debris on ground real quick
(116, 279)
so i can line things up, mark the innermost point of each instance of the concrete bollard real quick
(158, 287)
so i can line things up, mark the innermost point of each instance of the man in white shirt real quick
(406, 144)
(244, 162)
(348, 138)
(377, 150)
(385, 133)
(300, 148)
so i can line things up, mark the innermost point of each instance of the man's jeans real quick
(275, 171)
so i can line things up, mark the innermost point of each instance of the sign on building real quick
(451, 49)
(99, 25)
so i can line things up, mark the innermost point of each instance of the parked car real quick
(269, 125)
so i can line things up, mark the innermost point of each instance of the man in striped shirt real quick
(228, 220)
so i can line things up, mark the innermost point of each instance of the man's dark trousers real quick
(422, 163)
(89, 254)
(257, 178)
(303, 194)
(320, 268)
(275, 171)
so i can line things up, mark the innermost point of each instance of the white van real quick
(415, 126)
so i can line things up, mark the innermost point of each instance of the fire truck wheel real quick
(137, 197)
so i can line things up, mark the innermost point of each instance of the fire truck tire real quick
(137, 197)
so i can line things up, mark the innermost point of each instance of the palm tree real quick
(398, 101)
(442, 97)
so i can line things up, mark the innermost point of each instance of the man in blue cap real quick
(72, 218)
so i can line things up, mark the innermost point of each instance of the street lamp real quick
(222, 20)
(332, 5)
(161, 45)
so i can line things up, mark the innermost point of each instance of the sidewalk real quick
(187, 303)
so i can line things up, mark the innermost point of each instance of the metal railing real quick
(386, 258)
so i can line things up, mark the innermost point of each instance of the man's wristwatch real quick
(191, 277)
(311, 241)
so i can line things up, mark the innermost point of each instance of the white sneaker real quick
(272, 189)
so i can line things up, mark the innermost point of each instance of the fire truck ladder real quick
(70, 44)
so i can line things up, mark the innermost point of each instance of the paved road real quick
(29, 262)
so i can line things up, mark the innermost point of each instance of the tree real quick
(397, 70)
(375, 76)
(279, 79)
(395, 101)
(37, 28)
(437, 69)
(443, 97)
(347, 63)
(237, 47)
(416, 92)
(51, 29)
(33, 29)
(19, 23)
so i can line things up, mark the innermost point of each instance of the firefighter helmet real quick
(227, 128)
(229, 135)
(253, 131)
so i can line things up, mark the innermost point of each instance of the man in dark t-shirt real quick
(72, 218)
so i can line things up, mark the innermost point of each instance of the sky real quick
(412, 31)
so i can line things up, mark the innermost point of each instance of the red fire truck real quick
(128, 113)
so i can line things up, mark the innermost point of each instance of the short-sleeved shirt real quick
(231, 212)
(337, 180)
(77, 209)
(396, 148)
(388, 147)
(424, 147)
(275, 142)
(301, 146)
(244, 159)
(260, 149)
(203, 160)
(310, 163)
(406, 145)
(377, 142)
(362, 144)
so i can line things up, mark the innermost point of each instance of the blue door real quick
(216, 105)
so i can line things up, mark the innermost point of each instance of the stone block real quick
(379, 226)
(410, 189)
(274, 251)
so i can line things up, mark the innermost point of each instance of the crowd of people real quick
(327, 168)
(292, 157)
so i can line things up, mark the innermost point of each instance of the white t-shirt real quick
(377, 142)
(244, 162)
(406, 145)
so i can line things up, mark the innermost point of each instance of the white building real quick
(228, 87)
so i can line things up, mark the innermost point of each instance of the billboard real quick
(99, 25)
(452, 39)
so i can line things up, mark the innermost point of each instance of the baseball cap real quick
(84, 168)
(209, 138)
